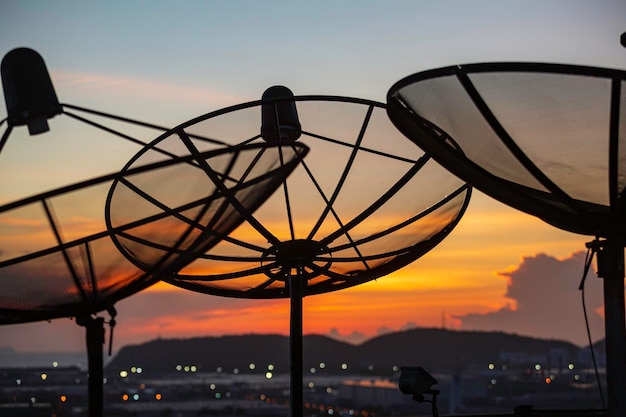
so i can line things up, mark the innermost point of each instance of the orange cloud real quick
(7, 221)
(260, 317)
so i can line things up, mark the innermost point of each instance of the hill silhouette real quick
(433, 348)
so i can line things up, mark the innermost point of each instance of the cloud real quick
(545, 301)
(141, 88)
(541, 300)
(409, 325)
(359, 337)
(152, 314)
(354, 337)
(384, 330)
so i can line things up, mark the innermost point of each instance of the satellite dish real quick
(59, 255)
(56, 258)
(59, 259)
(364, 203)
(170, 216)
(545, 139)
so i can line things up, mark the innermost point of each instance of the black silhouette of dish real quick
(547, 139)
(58, 254)
(543, 138)
(363, 204)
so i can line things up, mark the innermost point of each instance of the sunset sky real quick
(166, 62)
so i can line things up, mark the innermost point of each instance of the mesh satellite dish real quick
(546, 139)
(58, 253)
(364, 203)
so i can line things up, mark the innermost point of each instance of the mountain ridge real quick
(431, 347)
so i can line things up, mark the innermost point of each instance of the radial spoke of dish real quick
(508, 141)
(230, 197)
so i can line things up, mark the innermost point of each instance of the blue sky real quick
(356, 48)
(166, 62)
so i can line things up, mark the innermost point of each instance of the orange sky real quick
(458, 277)
(462, 275)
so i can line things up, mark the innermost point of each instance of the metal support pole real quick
(295, 351)
(611, 268)
(95, 341)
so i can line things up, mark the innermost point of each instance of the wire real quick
(5, 136)
(132, 121)
(588, 259)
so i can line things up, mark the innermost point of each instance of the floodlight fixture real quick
(417, 382)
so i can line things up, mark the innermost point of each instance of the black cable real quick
(588, 259)
(136, 122)
(5, 136)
